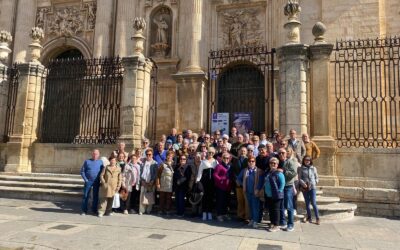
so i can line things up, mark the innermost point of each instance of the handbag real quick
(148, 198)
(116, 203)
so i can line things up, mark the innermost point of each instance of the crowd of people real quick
(212, 174)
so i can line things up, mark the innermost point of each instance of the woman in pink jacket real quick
(223, 179)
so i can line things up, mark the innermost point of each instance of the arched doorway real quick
(70, 53)
(241, 89)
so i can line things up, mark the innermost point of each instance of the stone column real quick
(26, 15)
(321, 118)
(27, 109)
(102, 33)
(5, 40)
(135, 90)
(191, 80)
(293, 61)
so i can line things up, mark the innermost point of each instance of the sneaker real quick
(294, 212)
(140, 213)
(220, 218)
(209, 216)
(273, 229)
(204, 216)
(283, 227)
(132, 211)
(318, 222)
(111, 214)
(255, 224)
(250, 223)
(289, 229)
(83, 213)
(306, 220)
(126, 212)
(100, 215)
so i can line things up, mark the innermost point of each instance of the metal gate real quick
(242, 80)
(12, 84)
(82, 101)
(367, 93)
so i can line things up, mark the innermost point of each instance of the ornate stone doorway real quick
(241, 80)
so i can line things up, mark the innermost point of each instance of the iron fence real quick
(367, 93)
(82, 101)
(153, 102)
(242, 80)
(12, 91)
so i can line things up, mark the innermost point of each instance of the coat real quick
(110, 181)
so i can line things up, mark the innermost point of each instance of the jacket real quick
(110, 181)
(298, 148)
(289, 171)
(308, 175)
(274, 185)
(222, 177)
(182, 175)
(165, 174)
(312, 150)
(91, 170)
(153, 172)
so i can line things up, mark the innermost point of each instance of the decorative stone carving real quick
(5, 40)
(161, 29)
(241, 28)
(139, 24)
(68, 20)
(37, 36)
(318, 31)
(292, 10)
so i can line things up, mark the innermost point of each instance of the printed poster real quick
(220, 121)
(242, 122)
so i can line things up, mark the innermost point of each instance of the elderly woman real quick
(134, 161)
(110, 183)
(248, 177)
(164, 183)
(223, 180)
(195, 138)
(205, 176)
(274, 185)
(308, 179)
(130, 177)
(148, 173)
(182, 174)
(195, 170)
(179, 140)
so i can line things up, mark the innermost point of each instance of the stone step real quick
(68, 176)
(45, 194)
(336, 211)
(321, 200)
(44, 179)
(47, 185)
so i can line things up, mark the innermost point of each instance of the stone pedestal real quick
(26, 122)
(293, 61)
(135, 99)
(321, 111)
(3, 98)
(191, 99)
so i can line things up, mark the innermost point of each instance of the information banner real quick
(220, 121)
(242, 122)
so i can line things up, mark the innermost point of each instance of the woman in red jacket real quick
(223, 177)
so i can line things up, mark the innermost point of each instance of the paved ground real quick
(45, 225)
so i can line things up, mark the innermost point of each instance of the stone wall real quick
(3, 155)
(63, 158)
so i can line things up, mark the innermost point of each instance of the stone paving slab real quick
(45, 225)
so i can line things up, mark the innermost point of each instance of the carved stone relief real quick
(239, 28)
(160, 32)
(71, 20)
(149, 3)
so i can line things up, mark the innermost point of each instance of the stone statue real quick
(162, 31)
(236, 33)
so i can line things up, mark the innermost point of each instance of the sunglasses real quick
(226, 158)
(273, 163)
(149, 154)
(252, 161)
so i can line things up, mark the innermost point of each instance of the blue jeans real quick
(180, 202)
(254, 206)
(287, 204)
(310, 196)
(86, 192)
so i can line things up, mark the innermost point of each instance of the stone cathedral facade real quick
(179, 36)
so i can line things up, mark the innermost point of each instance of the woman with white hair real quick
(205, 176)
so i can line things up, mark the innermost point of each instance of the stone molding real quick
(32, 69)
(300, 51)
(320, 51)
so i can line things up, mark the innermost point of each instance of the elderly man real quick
(90, 173)
(312, 149)
(296, 145)
(172, 136)
(160, 154)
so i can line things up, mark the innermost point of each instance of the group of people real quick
(209, 172)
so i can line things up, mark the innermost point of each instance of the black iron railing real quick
(367, 93)
(12, 91)
(82, 101)
(242, 80)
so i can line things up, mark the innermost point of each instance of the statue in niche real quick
(161, 29)
(236, 33)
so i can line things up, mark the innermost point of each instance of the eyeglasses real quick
(211, 152)
(206, 137)
(149, 154)
(250, 150)
(217, 134)
(252, 161)
(307, 159)
(225, 158)
(282, 153)
(273, 163)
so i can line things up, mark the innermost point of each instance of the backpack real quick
(274, 182)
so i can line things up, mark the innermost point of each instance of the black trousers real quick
(274, 210)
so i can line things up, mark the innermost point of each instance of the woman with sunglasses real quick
(205, 176)
(249, 176)
(223, 177)
(308, 180)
